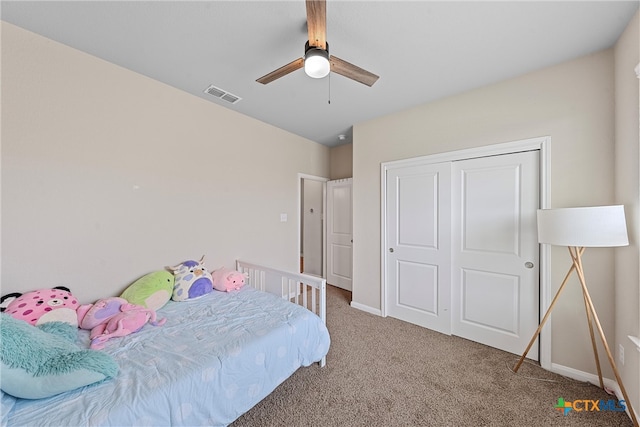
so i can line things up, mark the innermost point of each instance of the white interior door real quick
(495, 286)
(339, 233)
(418, 245)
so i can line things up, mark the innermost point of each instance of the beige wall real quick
(573, 104)
(108, 175)
(342, 161)
(627, 183)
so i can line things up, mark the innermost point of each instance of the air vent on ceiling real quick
(222, 94)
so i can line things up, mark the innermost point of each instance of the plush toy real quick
(41, 306)
(91, 316)
(152, 290)
(226, 280)
(192, 280)
(130, 319)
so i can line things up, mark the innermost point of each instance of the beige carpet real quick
(384, 372)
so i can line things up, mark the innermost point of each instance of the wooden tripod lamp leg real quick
(576, 256)
(604, 342)
(593, 341)
(544, 319)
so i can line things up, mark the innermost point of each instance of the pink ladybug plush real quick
(95, 315)
(131, 318)
(42, 306)
(226, 280)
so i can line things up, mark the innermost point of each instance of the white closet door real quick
(418, 245)
(495, 286)
(339, 233)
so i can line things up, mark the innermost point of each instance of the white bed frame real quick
(302, 289)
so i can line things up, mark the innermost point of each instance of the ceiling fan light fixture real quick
(316, 61)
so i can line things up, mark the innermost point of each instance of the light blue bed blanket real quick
(214, 359)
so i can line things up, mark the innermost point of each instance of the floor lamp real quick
(579, 228)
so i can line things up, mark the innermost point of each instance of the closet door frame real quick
(540, 143)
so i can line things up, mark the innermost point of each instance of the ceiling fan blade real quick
(317, 23)
(282, 71)
(351, 71)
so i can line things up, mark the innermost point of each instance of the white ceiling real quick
(422, 50)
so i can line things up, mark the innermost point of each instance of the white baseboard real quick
(592, 379)
(575, 374)
(366, 308)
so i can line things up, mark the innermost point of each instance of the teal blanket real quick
(42, 361)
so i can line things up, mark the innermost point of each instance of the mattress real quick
(213, 360)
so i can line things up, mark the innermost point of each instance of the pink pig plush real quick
(226, 280)
(130, 319)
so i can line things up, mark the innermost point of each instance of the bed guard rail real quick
(302, 289)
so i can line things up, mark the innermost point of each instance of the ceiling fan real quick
(316, 61)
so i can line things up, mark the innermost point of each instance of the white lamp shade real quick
(595, 226)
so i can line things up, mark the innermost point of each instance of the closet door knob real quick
(528, 264)
(391, 250)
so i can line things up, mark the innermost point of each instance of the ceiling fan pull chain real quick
(329, 88)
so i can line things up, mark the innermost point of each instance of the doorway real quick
(312, 207)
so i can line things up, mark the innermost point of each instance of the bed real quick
(213, 359)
